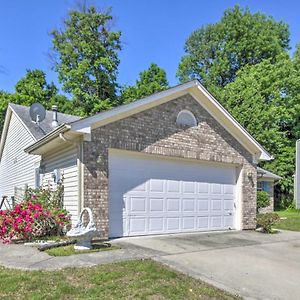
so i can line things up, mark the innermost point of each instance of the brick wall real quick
(155, 131)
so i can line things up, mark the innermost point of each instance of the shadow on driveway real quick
(252, 264)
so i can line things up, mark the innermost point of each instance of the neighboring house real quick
(297, 176)
(175, 161)
(18, 168)
(265, 182)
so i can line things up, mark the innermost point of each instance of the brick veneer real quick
(155, 131)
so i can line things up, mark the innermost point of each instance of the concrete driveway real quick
(251, 264)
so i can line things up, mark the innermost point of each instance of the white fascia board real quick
(8, 115)
(199, 93)
(132, 108)
(262, 153)
(47, 138)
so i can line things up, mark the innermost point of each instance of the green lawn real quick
(127, 280)
(292, 221)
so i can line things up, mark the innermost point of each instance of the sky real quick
(152, 31)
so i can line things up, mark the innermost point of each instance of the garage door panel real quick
(216, 188)
(173, 204)
(216, 205)
(137, 225)
(216, 222)
(188, 187)
(188, 204)
(156, 225)
(156, 186)
(188, 223)
(151, 196)
(228, 221)
(138, 204)
(228, 189)
(228, 204)
(173, 224)
(203, 188)
(202, 223)
(156, 204)
(173, 186)
(203, 205)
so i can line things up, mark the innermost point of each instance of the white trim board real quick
(193, 88)
(199, 93)
(8, 114)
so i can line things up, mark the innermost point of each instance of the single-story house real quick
(18, 168)
(265, 182)
(297, 176)
(175, 161)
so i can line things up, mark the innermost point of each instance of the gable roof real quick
(36, 131)
(45, 126)
(194, 88)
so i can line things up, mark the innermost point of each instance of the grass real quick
(69, 250)
(292, 221)
(139, 279)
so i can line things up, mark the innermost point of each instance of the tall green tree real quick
(265, 99)
(33, 87)
(86, 59)
(150, 81)
(4, 100)
(214, 53)
(296, 57)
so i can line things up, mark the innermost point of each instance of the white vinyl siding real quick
(64, 160)
(17, 168)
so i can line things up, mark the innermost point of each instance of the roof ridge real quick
(47, 110)
(44, 127)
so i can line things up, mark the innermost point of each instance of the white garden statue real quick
(83, 234)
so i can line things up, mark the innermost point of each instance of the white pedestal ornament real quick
(82, 234)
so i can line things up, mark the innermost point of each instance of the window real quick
(263, 186)
(37, 177)
(186, 118)
(259, 185)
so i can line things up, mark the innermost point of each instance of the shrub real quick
(266, 221)
(48, 198)
(36, 216)
(263, 199)
(284, 202)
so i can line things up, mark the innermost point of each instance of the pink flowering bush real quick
(32, 219)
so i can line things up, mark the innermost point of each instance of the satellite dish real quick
(37, 113)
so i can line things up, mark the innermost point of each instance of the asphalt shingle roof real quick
(45, 126)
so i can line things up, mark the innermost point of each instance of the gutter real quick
(47, 138)
(221, 108)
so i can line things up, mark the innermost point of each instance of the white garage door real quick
(155, 196)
